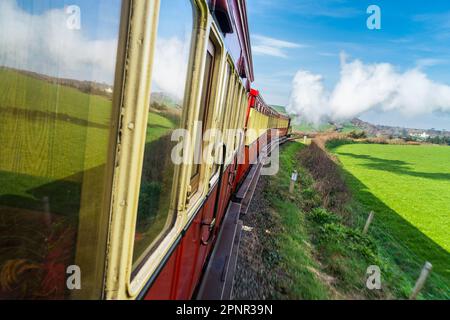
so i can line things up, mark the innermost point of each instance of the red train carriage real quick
(263, 123)
(103, 194)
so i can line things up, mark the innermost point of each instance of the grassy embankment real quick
(317, 245)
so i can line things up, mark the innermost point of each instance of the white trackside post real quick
(294, 178)
(421, 281)
(369, 222)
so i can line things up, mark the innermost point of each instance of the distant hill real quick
(373, 130)
(280, 109)
(165, 100)
(382, 130)
(307, 127)
(310, 128)
(88, 87)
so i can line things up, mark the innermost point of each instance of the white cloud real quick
(429, 62)
(170, 67)
(273, 47)
(363, 87)
(44, 44)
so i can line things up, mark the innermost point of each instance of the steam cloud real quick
(363, 87)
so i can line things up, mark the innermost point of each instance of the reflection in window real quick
(56, 85)
(168, 89)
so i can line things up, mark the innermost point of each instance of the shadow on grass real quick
(61, 196)
(395, 166)
(404, 243)
(58, 197)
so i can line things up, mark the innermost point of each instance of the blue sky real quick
(289, 35)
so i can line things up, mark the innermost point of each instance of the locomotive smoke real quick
(364, 87)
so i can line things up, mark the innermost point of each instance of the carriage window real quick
(238, 117)
(204, 111)
(226, 98)
(223, 110)
(229, 113)
(235, 111)
(243, 108)
(57, 70)
(170, 68)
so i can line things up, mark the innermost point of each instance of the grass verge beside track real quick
(315, 245)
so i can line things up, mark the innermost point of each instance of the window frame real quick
(136, 86)
(92, 235)
(241, 123)
(168, 232)
(229, 106)
(196, 195)
(236, 115)
(227, 71)
(233, 117)
(207, 109)
(226, 94)
(105, 215)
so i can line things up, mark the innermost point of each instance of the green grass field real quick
(50, 136)
(50, 130)
(409, 189)
(158, 126)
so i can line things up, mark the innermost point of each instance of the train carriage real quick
(93, 112)
(263, 124)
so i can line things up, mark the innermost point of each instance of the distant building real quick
(420, 136)
(109, 90)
